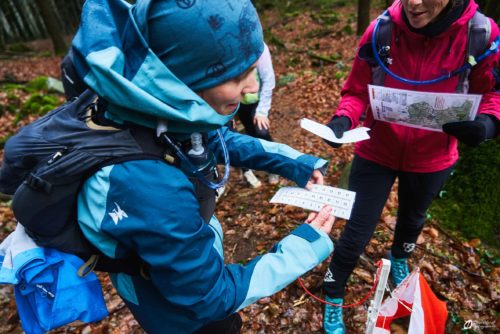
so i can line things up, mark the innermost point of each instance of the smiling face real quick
(422, 12)
(225, 97)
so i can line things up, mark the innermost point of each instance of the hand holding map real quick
(423, 110)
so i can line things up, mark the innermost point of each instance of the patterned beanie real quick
(203, 42)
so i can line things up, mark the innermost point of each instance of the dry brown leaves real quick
(252, 225)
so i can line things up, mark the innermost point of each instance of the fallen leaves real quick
(252, 225)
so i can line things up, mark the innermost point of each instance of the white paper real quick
(421, 110)
(340, 200)
(325, 132)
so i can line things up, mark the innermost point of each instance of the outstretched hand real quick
(339, 125)
(316, 178)
(322, 220)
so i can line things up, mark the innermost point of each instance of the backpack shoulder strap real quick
(383, 42)
(478, 37)
(478, 34)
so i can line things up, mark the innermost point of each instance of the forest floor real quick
(308, 87)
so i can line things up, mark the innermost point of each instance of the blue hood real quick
(197, 44)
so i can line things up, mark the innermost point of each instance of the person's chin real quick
(231, 107)
(418, 24)
(418, 21)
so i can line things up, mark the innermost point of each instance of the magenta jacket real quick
(417, 57)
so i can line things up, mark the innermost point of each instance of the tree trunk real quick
(23, 19)
(5, 28)
(76, 11)
(2, 36)
(38, 19)
(29, 19)
(49, 18)
(12, 18)
(363, 16)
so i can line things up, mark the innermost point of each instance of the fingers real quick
(266, 123)
(332, 144)
(311, 217)
(324, 220)
(261, 122)
(339, 132)
(328, 225)
(323, 214)
(316, 178)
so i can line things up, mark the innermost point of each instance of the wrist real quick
(491, 125)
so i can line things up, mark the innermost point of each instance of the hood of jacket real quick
(114, 58)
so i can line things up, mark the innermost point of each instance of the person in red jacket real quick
(428, 39)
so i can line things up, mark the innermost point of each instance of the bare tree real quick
(363, 16)
(50, 21)
(2, 36)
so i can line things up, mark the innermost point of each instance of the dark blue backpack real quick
(47, 161)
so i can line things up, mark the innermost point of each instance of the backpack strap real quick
(383, 41)
(478, 37)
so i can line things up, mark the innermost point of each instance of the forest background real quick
(313, 43)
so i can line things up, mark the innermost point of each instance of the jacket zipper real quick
(420, 61)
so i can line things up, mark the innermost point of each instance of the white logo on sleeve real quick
(329, 276)
(117, 214)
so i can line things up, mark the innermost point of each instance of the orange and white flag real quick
(427, 313)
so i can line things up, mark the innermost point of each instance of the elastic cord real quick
(359, 302)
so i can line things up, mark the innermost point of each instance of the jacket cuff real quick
(320, 242)
(491, 125)
(322, 165)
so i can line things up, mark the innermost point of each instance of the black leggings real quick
(246, 114)
(372, 184)
(230, 325)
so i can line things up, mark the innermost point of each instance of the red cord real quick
(379, 264)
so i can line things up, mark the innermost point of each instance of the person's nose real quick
(251, 85)
(414, 3)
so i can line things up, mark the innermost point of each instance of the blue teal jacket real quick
(150, 208)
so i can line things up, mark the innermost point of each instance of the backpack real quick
(478, 36)
(46, 163)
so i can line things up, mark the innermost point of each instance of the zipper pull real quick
(57, 155)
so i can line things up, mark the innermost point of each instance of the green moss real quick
(39, 83)
(471, 198)
(18, 47)
(38, 104)
(284, 80)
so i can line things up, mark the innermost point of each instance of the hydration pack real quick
(478, 36)
(47, 161)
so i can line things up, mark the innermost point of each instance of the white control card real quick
(325, 132)
(340, 200)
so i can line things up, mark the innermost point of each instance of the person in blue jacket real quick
(181, 69)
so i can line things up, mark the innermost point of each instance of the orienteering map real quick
(421, 110)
